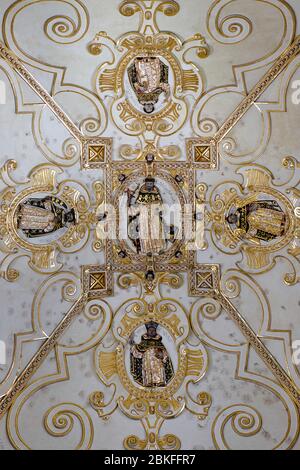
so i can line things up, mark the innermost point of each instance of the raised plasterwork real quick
(149, 225)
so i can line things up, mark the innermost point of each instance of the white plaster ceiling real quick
(239, 382)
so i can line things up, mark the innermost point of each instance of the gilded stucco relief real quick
(149, 224)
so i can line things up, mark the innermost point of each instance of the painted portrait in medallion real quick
(150, 356)
(260, 219)
(148, 83)
(150, 216)
(43, 218)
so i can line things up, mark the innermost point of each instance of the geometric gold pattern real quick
(203, 153)
(95, 152)
(116, 297)
(96, 282)
(204, 279)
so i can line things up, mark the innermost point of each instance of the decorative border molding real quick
(90, 291)
(91, 156)
(166, 171)
(277, 68)
(212, 143)
(260, 348)
(96, 152)
(21, 382)
(17, 65)
(203, 154)
(97, 281)
(204, 280)
(208, 285)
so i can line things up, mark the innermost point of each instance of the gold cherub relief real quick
(150, 362)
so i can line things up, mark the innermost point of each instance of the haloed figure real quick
(261, 220)
(150, 363)
(42, 216)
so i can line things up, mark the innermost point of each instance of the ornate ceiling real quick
(149, 224)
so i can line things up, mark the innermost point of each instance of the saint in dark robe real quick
(150, 363)
(146, 227)
(149, 78)
(42, 216)
(262, 220)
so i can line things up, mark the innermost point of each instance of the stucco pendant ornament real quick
(41, 217)
(149, 76)
(148, 369)
(256, 220)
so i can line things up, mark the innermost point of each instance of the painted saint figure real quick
(146, 226)
(42, 216)
(262, 220)
(150, 363)
(149, 78)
